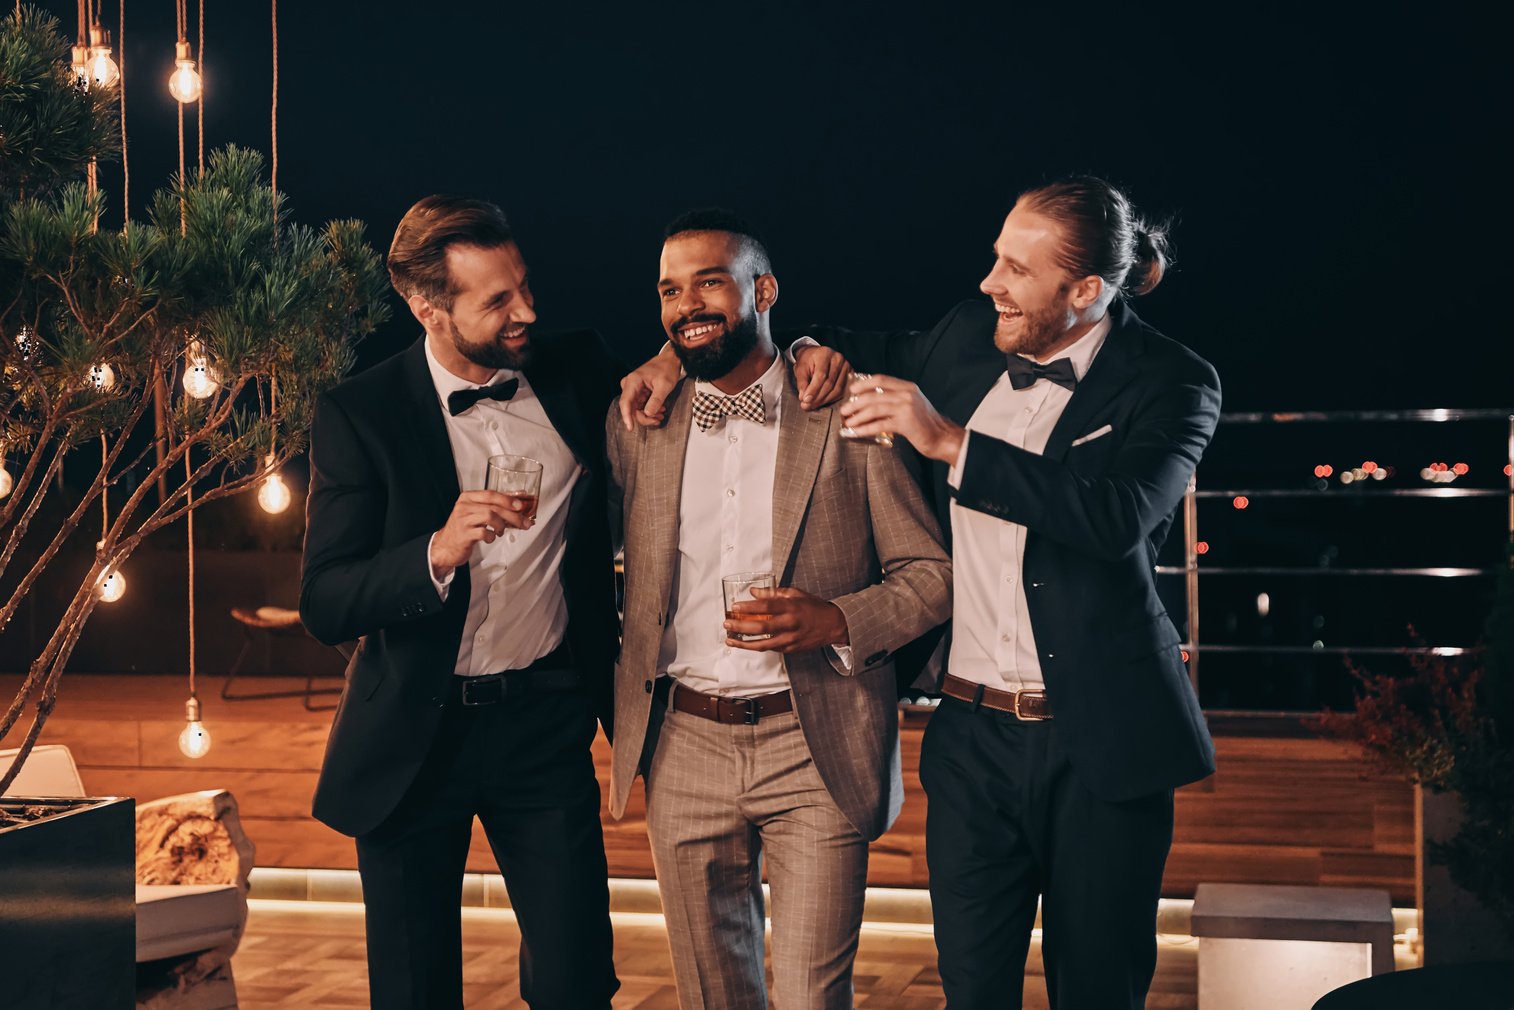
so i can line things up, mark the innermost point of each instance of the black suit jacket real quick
(1095, 515)
(382, 481)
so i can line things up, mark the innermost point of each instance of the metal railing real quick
(1192, 571)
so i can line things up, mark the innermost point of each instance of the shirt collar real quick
(769, 380)
(446, 383)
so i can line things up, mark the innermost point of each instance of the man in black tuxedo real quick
(1062, 432)
(486, 622)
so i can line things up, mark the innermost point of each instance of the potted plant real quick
(1448, 726)
(168, 362)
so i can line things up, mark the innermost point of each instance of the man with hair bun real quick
(1063, 431)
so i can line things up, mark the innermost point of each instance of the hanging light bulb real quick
(7, 482)
(103, 71)
(102, 377)
(200, 380)
(111, 585)
(273, 493)
(184, 83)
(194, 738)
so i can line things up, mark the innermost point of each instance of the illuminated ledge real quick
(901, 905)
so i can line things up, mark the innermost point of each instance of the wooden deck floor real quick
(309, 955)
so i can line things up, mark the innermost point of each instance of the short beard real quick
(716, 359)
(493, 354)
(1041, 330)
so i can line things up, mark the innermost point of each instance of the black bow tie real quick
(460, 400)
(1024, 372)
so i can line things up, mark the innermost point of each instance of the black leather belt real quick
(552, 672)
(730, 711)
(1028, 705)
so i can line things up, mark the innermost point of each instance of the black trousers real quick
(523, 767)
(1009, 821)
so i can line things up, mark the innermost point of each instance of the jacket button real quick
(1051, 655)
(647, 686)
(1037, 585)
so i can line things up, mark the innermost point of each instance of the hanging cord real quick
(121, 85)
(104, 488)
(200, 109)
(274, 123)
(189, 518)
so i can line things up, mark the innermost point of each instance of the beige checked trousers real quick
(722, 801)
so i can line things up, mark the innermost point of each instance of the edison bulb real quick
(200, 380)
(184, 83)
(103, 71)
(102, 377)
(273, 494)
(194, 738)
(112, 586)
(7, 482)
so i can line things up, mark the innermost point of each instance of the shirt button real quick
(494, 425)
(1010, 579)
(730, 492)
(733, 438)
(730, 547)
(512, 538)
(1003, 638)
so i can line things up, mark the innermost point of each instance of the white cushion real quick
(175, 919)
(49, 771)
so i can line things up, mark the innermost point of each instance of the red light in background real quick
(1460, 468)
(1508, 470)
(1185, 655)
(1241, 501)
(1202, 547)
(1369, 467)
(1324, 470)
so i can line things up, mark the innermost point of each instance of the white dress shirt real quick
(992, 641)
(516, 609)
(725, 527)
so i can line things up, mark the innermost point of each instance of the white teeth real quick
(1007, 310)
(698, 331)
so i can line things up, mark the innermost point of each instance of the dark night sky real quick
(1335, 169)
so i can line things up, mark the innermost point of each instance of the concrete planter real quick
(1454, 926)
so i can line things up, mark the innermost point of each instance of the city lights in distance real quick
(1324, 470)
(1202, 547)
(1241, 502)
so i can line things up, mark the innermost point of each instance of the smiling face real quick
(489, 323)
(714, 304)
(1042, 308)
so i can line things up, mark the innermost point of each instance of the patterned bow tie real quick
(712, 408)
(460, 400)
(1024, 372)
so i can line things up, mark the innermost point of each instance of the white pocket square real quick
(1093, 435)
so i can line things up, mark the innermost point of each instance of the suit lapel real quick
(429, 429)
(1112, 368)
(975, 368)
(660, 486)
(801, 443)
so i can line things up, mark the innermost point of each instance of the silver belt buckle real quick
(1034, 692)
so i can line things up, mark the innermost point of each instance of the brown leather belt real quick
(1027, 706)
(730, 711)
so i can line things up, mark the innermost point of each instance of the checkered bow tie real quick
(712, 408)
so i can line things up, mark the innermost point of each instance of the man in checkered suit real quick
(780, 752)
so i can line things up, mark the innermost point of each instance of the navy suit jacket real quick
(382, 481)
(1095, 514)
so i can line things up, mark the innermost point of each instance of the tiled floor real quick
(309, 955)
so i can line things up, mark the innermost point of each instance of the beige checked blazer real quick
(849, 526)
